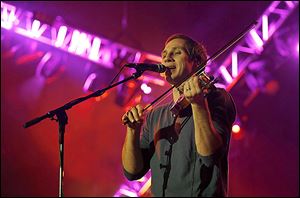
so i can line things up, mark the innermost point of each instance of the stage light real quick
(146, 89)
(94, 52)
(137, 57)
(128, 193)
(96, 78)
(238, 132)
(265, 27)
(257, 40)
(37, 29)
(234, 64)
(74, 41)
(49, 66)
(89, 80)
(236, 128)
(61, 36)
(106, 57)
(137, 188)
(79, 43)
(272, 87)
(8, 16)
(225, 74)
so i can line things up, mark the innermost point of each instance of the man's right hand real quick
(134, 117)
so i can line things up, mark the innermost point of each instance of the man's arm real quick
(207, 139)
(132, 158)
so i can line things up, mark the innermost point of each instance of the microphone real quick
(141, 67)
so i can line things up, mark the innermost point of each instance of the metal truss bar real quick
(253, 44)
(56, 33)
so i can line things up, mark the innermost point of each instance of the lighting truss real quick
(56, 33)
(249, 49)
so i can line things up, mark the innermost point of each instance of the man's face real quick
(175, 57)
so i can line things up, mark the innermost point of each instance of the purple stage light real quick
(265, 29)
(234, 64)
(94, 52)
(137, 57)
(225, 74)
(74, 41)
(8, 16)
(89, 81)
(61, 36)
(257, 40)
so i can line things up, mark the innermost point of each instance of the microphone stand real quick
(62, 120)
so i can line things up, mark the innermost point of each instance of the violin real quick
(206, 84)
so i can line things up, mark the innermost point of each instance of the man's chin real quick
(172, 81)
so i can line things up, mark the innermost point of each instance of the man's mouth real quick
(170, 67)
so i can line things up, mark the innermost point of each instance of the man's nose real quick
(168, 58)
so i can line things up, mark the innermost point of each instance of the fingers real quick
(140, 110)
(192, 90)
(192, 87)
(195, 85)
(134, 115)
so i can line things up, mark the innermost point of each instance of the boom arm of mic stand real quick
(69, 105)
